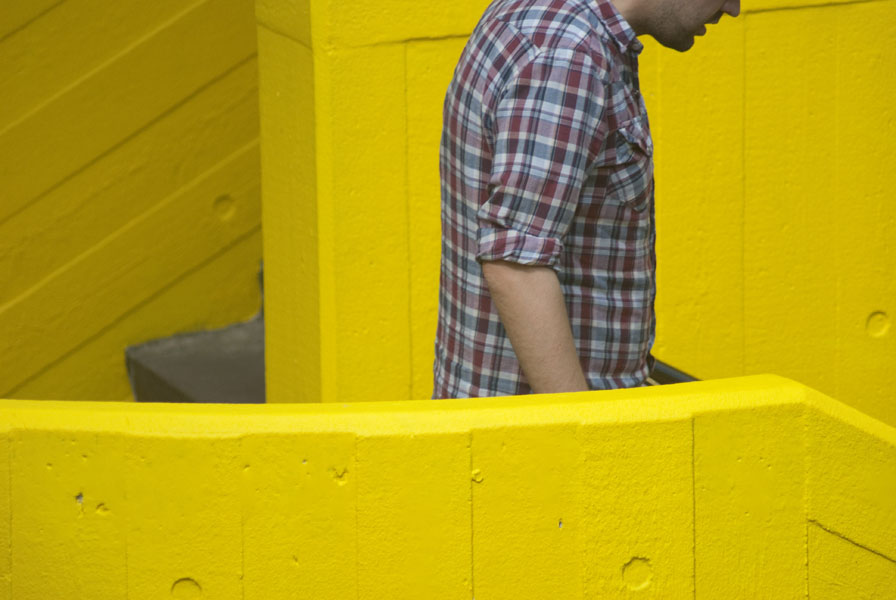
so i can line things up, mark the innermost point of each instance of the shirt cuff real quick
(517, 247)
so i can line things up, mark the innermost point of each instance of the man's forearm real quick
(531, 306)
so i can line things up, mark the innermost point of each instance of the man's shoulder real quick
(552, 25)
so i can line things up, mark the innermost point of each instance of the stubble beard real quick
(668, 30)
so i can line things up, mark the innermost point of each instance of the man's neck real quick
(630, 11)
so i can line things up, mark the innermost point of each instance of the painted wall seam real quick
(25, 24)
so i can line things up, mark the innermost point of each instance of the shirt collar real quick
(618, 27)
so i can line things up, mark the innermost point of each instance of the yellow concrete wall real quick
(775, 229)
(129, 184)
(749, 488)
(776, 225)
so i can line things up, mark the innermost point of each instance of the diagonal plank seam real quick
(86, 76)
(853, 542)
(27, 23)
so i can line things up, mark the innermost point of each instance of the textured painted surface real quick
(638, 473)
(707, 490)
(299, 499)
(695, 102)
(818, 226)
(840, 569)
(749, 471)
(129, 172)
(775, 233)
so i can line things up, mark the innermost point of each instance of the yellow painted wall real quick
(776, 225)
(129, 184)
(773, 137)
(747, 488)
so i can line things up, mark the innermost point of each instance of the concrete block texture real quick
(746, 488)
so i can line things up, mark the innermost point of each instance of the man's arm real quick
(531, 306)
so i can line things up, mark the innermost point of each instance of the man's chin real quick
(681, 45)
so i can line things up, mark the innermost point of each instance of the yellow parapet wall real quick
(746, 488)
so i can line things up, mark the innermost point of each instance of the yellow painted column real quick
(339, 235)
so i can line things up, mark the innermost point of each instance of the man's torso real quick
(534, 69)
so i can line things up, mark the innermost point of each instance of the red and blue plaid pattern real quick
(546, 159)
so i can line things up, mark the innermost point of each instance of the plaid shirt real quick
(546, 159)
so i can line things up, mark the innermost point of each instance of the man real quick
(548, 266)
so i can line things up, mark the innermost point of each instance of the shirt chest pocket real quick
(629, 166)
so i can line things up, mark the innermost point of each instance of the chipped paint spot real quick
(339, 474)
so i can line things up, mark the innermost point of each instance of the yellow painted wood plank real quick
(851, 479)
(528, 500)
(430, 66)
(299, 516)
(363, 223)
(113, 277)
(638, 510)
(363, 23)
(146, 169)
(71, 511)
(183, 531)
(865, 264)
(104, 109)
(414, 517)
(695, 102)
(69, 42)
(841, 570)
(749, 514)
(220, 292)
(17, 14)
(290, 215)
(791, 155)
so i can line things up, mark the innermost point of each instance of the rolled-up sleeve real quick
(546, 128)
